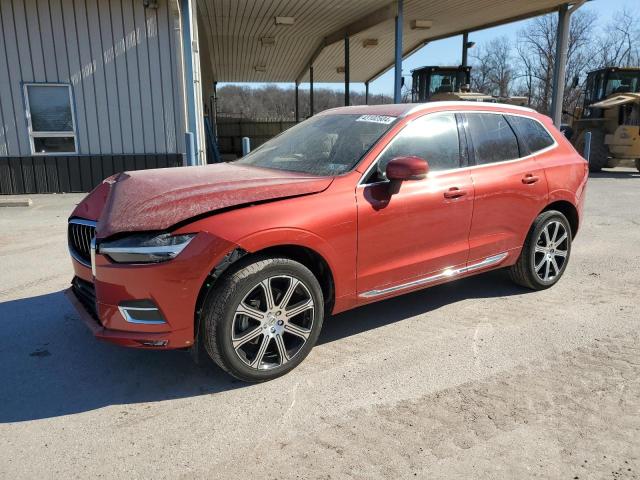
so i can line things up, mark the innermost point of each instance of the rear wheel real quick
(638, 164)
(262, 320)
(545, 253)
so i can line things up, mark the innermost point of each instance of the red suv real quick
(242, 261)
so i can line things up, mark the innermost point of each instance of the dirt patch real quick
(579, 414)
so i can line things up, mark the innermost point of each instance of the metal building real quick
(89, 88)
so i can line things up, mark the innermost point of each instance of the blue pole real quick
(346, 71)
(397, 84)
(587, 146)
(190, 147)
(246, 145)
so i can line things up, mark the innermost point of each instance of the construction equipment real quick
(433, 83)
(611, 112)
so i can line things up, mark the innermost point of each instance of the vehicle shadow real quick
(489, 285)
(50, 365)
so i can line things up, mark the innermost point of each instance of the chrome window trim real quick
(469, 167)
(445, 274)
(74, 255)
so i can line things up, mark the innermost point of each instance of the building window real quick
(52, 128)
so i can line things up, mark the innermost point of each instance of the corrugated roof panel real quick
(234, 29)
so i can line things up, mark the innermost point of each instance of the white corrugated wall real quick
(121, 59)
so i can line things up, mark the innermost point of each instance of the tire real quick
(638, 164)
(541, 263)
(599, 155)
(269, 342)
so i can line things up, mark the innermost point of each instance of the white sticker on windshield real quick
(384, 119)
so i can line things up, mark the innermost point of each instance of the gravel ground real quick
(474, 379)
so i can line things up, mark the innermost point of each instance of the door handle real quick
(454, 192)
(529, 179)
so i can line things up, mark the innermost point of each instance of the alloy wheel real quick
(551, 251)
(273, 322)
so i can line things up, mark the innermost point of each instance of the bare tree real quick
(492, 71)
(536, 55)
(620, 41)
(273, 102)
(501, 73)
(481, 68)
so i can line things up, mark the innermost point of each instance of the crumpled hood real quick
(147, 200)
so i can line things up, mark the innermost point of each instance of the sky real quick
(449, 51)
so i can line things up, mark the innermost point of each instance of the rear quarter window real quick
(532, 134)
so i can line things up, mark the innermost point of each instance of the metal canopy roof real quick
(244, 43)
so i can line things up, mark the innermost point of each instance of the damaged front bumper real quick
(146, 305)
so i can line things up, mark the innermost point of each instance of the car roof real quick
(404, 109)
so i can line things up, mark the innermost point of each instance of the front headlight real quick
(145, 247)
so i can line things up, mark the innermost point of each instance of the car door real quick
(511, 187)
(414, 229)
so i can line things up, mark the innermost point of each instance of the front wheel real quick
(263, 319)
(545, 254)
(638, 164)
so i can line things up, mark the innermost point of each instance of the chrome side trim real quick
(447, 273)
(124, 311)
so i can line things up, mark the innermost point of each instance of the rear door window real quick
(492, 138)
(532, 134)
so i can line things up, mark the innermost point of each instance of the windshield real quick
(446, 82)
(325, 145)
(622, 82)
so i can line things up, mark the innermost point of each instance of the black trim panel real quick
(72, 173)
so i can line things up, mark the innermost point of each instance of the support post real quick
(560, 64)
(465, 49)
(246, 145)
(311, 112)
(297, 107)
(194, 111)
(346, 71)
(587, 146)
(214, 112)
(366, 93)
(397, 84)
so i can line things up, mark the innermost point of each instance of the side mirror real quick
(407, 168)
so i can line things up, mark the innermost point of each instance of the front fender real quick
(343, 275)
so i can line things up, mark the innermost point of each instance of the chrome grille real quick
(79, 235)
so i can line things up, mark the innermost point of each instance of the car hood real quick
(147, 200)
